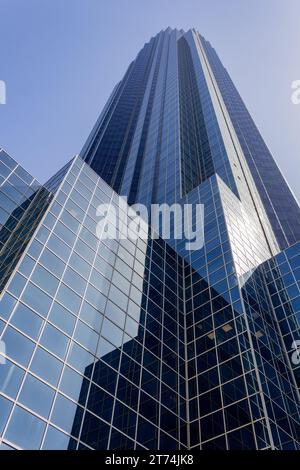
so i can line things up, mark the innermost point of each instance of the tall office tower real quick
(142, 343)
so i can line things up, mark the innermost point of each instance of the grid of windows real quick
(108, 153)
(114, 344)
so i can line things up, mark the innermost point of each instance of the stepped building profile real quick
(143, 344)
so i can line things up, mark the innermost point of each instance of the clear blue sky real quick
(61, 58)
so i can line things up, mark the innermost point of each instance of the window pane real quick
(62, 318)
(18, 347)
(37, 299)
(86, 337)
(55, 341)
(25, 430)
(27, 321)
(5, 407)
(80, 359)
(71, 383)
(46, 366)
(50, 261)
(36, 396)
(68, 298)
(17, 284)
(64, 413)
(91, 316)
(6, 306)
(57, 440)
(45, 280)
(10, 378)
(74, 280)
(112, 333)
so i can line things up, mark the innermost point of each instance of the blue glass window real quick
(6, 306)
(91, 316)
(46, 366)
(62, 318)
(55, 341)
(64, 413)
(112, 332)
(37, 299)
(10, 378)
(52, 262)
(71, 383)
(86, 337)
(80, 359)
(57, 440)
(17, 284)
(27, 321)
(68, 298)
(45, 280)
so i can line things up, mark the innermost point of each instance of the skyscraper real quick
(115, 343)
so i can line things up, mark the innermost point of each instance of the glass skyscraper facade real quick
(140, 343)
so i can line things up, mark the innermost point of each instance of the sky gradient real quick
(61, 58)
